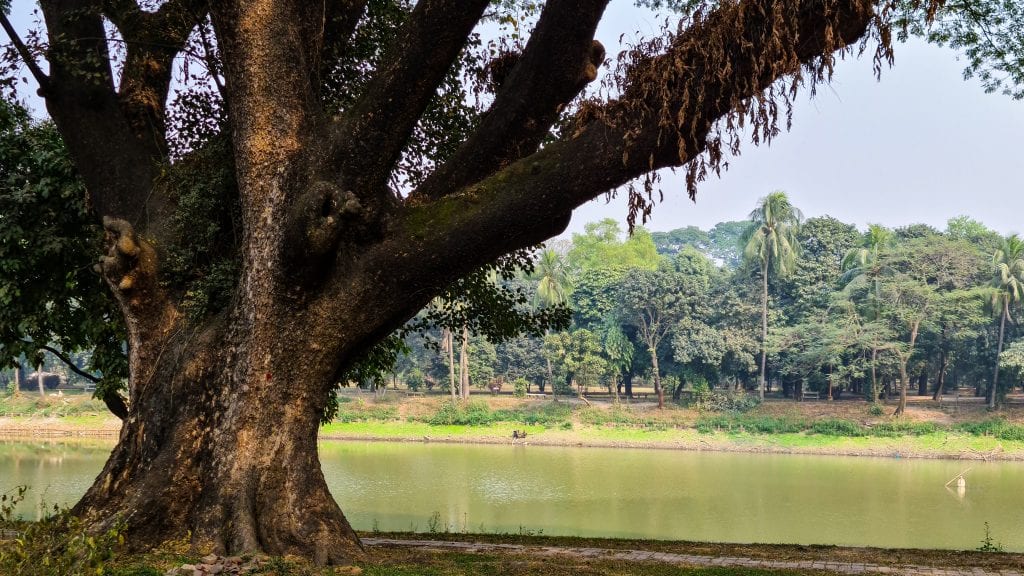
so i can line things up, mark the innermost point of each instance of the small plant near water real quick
(58, 544)
(434, 522)
(988, 544)
(8, 502)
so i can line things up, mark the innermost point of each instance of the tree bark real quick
(922, 382)
(17, 381)
(657, 376)
(764, 329)
(464, 364)
(993, 390)
(450, 351)
(204, 450)
(940, 381)
(39, 380)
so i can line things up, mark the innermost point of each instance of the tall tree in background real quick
(553, 288)
(651, 300)
(862, 265)
(1008, 281)
(307, 207)
(771, 243)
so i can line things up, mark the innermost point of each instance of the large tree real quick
(1008, 284)
(329, 240)
(771, 243)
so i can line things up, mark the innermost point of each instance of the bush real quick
(995, 427)
(748, 423)
(876, 409)
(902, 428)
(837, 427)
(711, 401)
(519, 387)
(414, 380)
(58, 544)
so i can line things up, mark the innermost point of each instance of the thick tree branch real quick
(558, 62)
(376, 129)
(82, 102)
(340, 21)
(152, 40)
(26, 55)
(662, 120)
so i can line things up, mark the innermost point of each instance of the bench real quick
(809, 395)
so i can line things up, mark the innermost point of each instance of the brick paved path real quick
(693, 560)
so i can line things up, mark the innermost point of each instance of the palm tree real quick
(1008, 280)
(553, 287)
(862, 265)
(771, 242)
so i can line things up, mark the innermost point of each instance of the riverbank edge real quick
(953, 446)
(895, 558)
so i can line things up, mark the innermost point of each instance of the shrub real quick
(414, 379)
(837, 427)
(58, 544)
(519, 387)
(995, 427)
(749, 423)
(901, 428)
(712, 401)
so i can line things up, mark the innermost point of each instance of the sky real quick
(921, 145)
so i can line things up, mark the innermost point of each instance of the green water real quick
(628, 493)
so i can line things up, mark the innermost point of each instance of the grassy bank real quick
(516, 555)
(848, 427)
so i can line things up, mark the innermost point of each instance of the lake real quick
(663, 494)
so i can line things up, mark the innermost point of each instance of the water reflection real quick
(629, 493)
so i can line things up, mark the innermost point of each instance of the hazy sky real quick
(922, 145)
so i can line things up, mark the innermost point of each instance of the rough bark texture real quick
(993, 390)
(219, 440)
(764, 330)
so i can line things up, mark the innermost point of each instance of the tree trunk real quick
(629, 384)
(922, 382)
(993, 390)
(764, 328)
(904, 359)
(830, 383)
(451, 363)
(902, 406)
(464, 364)
(17, 381)
(872, 395)
(550, 379)
(657, 377)
(940, 381)
(224, 446)
(39, 380)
